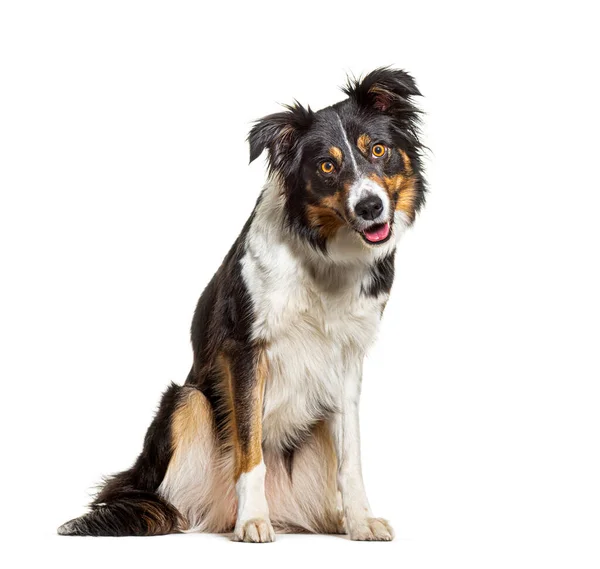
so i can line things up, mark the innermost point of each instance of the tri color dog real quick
(264, 434)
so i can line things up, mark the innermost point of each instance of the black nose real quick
(369, 207)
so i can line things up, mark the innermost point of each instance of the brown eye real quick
(327, 167)
(378, 150)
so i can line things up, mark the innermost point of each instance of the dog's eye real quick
(327, 167)
(378, 150)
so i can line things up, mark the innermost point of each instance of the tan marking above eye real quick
(327, 167)
(336, 153)
(363, 143)
(378, 150)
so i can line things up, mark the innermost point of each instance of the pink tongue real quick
(378, 233)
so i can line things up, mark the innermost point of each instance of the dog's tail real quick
(128, 503)
(135, 513)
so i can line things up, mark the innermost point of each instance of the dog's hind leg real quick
(194, 482)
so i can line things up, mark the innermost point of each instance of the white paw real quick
(371, 529)
(255, 530)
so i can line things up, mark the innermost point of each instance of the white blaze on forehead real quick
(363, 187)
(347, 143)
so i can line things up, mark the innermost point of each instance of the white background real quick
(124, 180)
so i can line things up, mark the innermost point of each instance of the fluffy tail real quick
(128, 503)
(134, 513)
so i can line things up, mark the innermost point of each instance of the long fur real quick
(264, 433)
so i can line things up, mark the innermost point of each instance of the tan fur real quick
(407, 198)
(193, 482)
(324, 218)
(407, 164)
(200, 478)
(400, 188)
(364, 143)
(186, 419)
(254, 456)
(329, 214)
(247, 458)
(336, 153)
(232, 421)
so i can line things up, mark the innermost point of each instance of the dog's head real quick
(352, 169)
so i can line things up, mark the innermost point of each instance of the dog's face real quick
(352, 168)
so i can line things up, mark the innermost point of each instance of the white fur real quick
(346, 436)
(250, 490)
(180, 484)
(317, 325)
(347, 143)
(197, 482)
(312, 316)
(364, 188)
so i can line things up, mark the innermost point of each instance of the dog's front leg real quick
(360, 523)
(246, 373)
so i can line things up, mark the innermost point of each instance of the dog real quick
(264, 434)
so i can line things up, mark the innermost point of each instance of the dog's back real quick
(265, 430)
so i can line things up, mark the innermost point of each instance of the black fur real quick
(222, 324)
(387, 90)
(382, 277)
(296, 140)
(281, 133)
(132, 513)
(127, 504)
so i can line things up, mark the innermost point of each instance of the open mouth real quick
(377, 234)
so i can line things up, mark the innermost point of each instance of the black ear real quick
(387, 90)
(280, 134)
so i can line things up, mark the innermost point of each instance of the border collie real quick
(264, 434)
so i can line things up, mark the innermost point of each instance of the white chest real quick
(313, 332)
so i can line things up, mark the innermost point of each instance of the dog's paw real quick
(371, 529)
(255, 530)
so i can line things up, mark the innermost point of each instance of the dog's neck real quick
(345, 264)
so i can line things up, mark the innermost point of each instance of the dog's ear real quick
(280, 134)
(384, 89)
